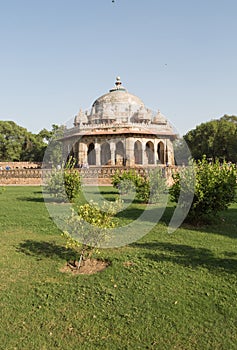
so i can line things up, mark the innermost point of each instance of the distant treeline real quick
(18, 144)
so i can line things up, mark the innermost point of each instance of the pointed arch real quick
(150, 152)
(138, 152)
(119, 153)
(161, 152)
(105, 154)
(91, 156)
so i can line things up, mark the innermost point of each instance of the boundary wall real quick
(92, 175)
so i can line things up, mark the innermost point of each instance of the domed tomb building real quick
(120, 130)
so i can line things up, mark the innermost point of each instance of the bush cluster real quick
(65, 183)
(149, 188)
(213, 189)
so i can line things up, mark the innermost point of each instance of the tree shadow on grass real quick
(190, 256)
(31, 199)
(42, 249)
(41, 200)
(107, 192)
(152, 213)
(225, 224)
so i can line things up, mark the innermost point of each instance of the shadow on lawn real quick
(190, 256)
(46, 249)
(40, 200)
(151, 213)
(31, 199)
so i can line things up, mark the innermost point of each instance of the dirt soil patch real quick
(88, 267)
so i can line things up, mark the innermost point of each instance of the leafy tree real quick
(33, 148)
(54, 150)
(214, 188)
(200, 140)
(216, 139)
(18, 144)
(12, 141)
(224, 140)
(88, 225)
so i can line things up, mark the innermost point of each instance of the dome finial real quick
(118, 82)
(118, 85)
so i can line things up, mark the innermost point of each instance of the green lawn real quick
(166, 291)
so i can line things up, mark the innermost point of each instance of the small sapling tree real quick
(88, 227)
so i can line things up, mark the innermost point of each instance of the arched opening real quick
(91, 156)
(70, 153)
(119, 154)
(161, 152)
(138, 152)
(76, 153)
(105, 154)
(150, 152)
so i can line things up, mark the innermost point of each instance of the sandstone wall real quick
(21, 177)
(20, 165)
(93, 175)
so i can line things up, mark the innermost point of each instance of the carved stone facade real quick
(120, 130)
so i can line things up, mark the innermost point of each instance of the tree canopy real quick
(217, 139)
(18, 144)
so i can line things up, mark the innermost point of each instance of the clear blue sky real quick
(58, 56)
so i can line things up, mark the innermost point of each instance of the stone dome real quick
(159, 119)
(80, 118)
(118, 94)
(117, 105)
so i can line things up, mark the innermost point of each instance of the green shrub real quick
(157, 185)
(125, 181)
(88, 226)
(130, 181)
(64, 183)
(2, 189)
(213, 190)
(149, 188)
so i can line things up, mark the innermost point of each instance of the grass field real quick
(166, 291)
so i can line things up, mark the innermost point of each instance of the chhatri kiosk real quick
(119, 130)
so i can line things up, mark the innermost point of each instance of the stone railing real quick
(102, 175)
(21, 177)
(20, 165)
(92, 175)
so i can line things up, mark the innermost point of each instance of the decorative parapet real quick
(153, 128)
(21, 176)
(92, 175)
(20, 165)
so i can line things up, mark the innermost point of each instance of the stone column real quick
(82, 154)
(129, 151)
(112, 150)
(144, 155)
(156, 157)
(97, 152)
(169, 153)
